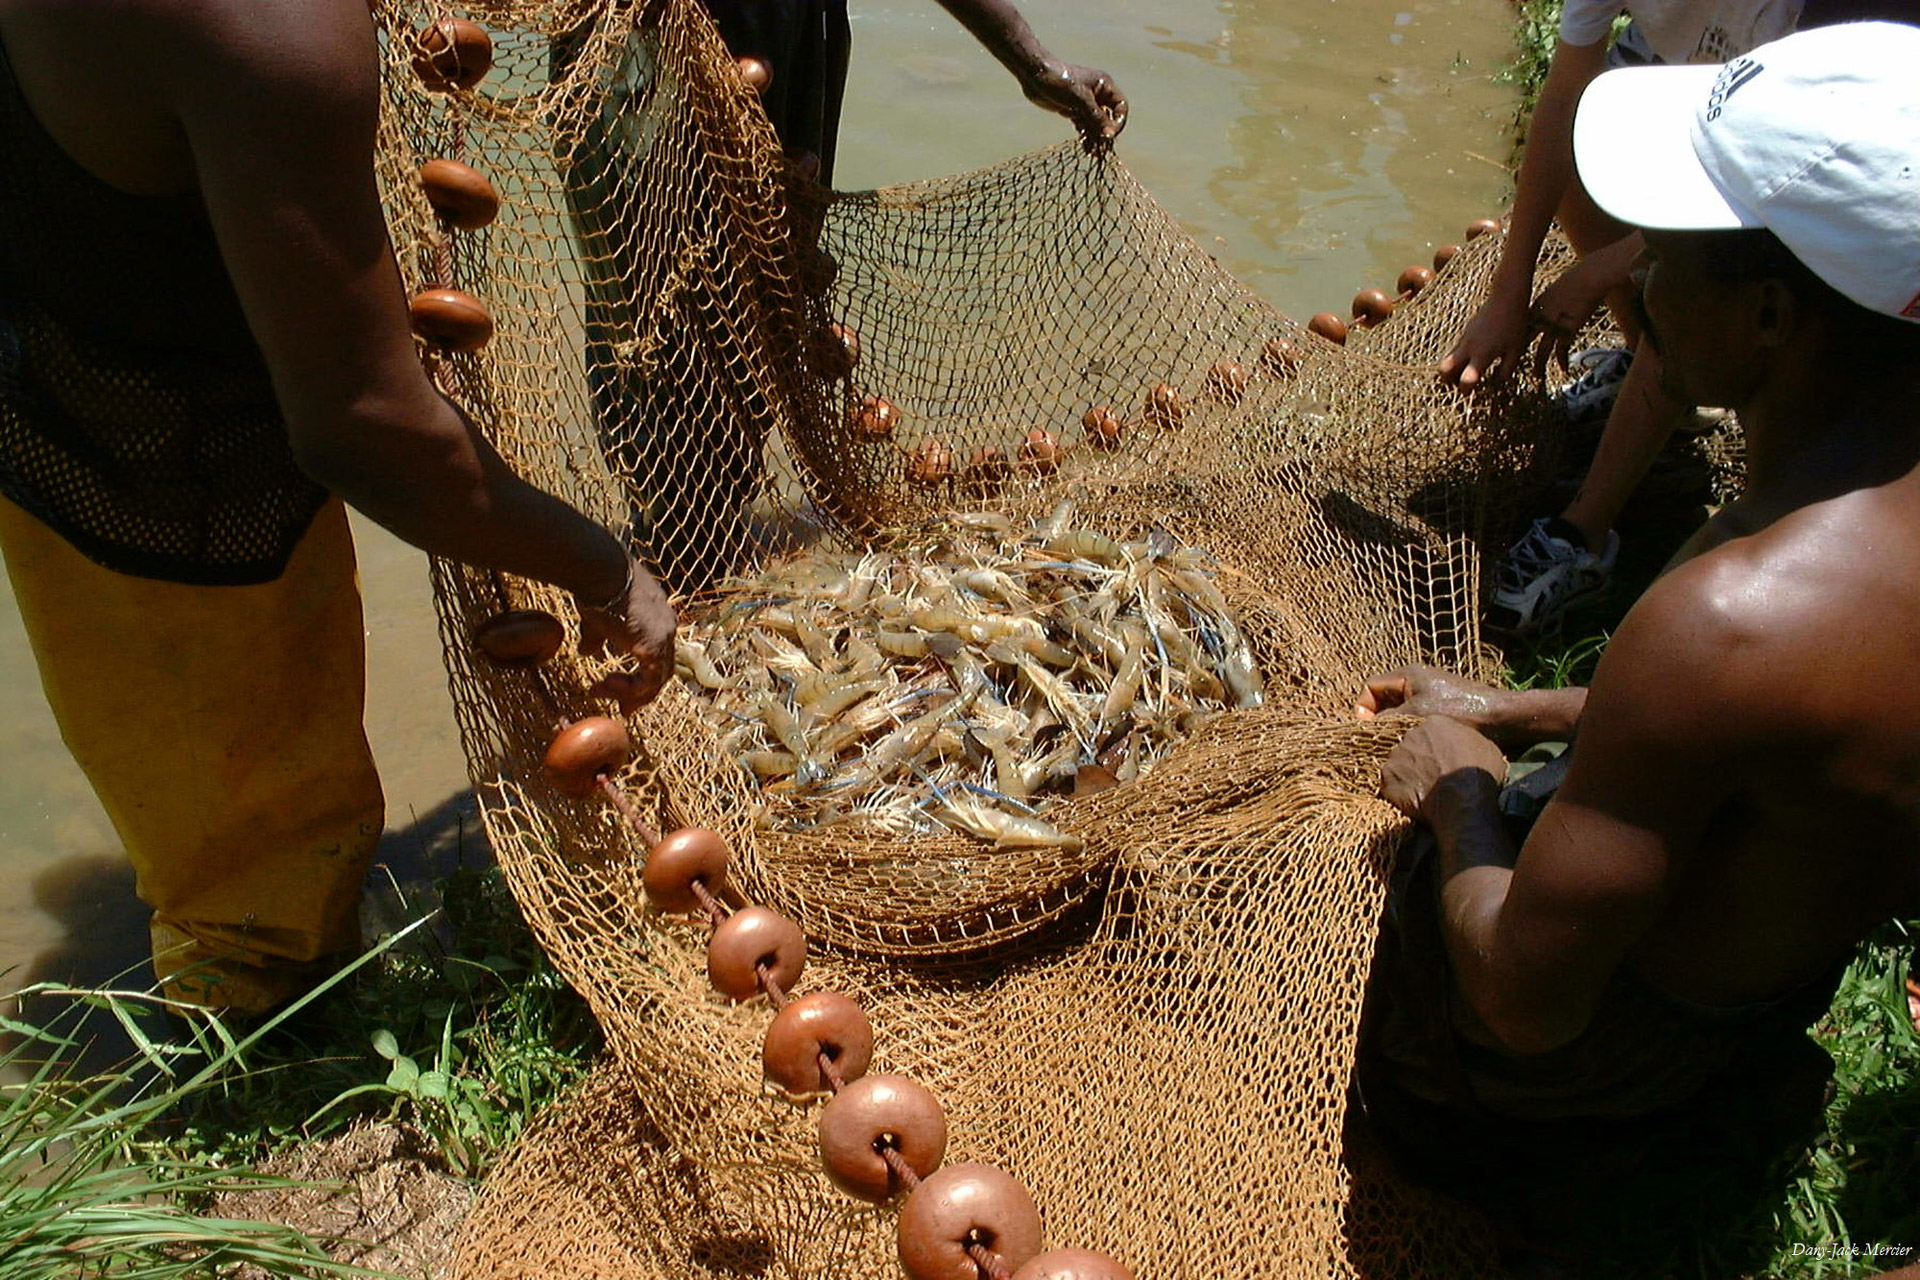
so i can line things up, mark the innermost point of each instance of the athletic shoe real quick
(1600, 372)
(1543, 575)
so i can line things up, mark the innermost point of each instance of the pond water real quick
(1314, 146)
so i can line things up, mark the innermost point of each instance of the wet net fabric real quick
(1152, 1028)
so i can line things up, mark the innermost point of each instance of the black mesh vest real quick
(137, 418)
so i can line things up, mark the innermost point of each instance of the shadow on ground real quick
(103, 943)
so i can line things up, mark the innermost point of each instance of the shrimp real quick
(853, 726)
(814, 641)
(826, 697)
(1057, 695)
(992, 522)
(993, 584)
(693, 656)
(1085, 544)
(863, 659)
(1008, 830)
(903, 744)
(1126, 680)
(860, 584)
(779, 655)
(1243, 678)
(769, 766)
(1056, 523)
(902, 644)
(1237, 668)
(1103, 639)
(981, 630)
(775, 714)
(1006, 767)
(1049, 652)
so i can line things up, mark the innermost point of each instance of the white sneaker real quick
(1599, 371)
(1543, 576)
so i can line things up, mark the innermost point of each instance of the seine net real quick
(1151, 1023)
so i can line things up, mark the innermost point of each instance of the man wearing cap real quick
(1742, 803)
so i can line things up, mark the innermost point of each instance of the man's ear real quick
(1777, 313)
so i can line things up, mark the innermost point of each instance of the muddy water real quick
(1313, 146)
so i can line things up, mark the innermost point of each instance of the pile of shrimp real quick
(970, 684)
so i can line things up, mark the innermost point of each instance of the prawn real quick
(1008, 830)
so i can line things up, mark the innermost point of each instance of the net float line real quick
(934, 463)
(452, 55)
(952, 1213)
(1372, 307)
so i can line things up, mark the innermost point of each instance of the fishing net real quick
(1151, 1024)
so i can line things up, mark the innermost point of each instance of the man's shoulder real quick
(316, 61)
(284, 41)
(1798, 620)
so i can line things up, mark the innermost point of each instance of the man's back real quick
(1814, 611)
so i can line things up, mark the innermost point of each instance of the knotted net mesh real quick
(1151, 1023)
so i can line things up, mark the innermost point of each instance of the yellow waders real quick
(221, 728)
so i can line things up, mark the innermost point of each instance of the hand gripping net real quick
(1152, 1032)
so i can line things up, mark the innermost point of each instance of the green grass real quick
(464, 1033)
(1536, 25)
(1536, 30)
(1860, 1185)
(92, 1184)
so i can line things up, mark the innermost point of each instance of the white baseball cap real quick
(1815, 137)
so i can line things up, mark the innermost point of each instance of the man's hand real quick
(1511, 717)
(1083, 95)
(1437, 751)
(1490, 347)
(644, 631)
(1428, 691)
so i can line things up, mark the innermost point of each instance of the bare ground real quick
(383, 1199)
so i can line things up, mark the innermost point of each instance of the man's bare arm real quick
(1086, 96)
(1533, 948)
(282, 137)
(1510, 717)
(1565, 306)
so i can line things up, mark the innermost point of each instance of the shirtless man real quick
(1742, 804)
(202, 322)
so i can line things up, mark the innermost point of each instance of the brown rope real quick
(716, 914)
(614, 792)
(775, 995)
(991, 1264)
(901, 1169)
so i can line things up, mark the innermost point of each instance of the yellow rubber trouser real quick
(221, 728)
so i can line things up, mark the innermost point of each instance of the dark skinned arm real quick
(1535, 937)
(1082, 94)
(1510, 717)
(1564, 307)
(282, 138)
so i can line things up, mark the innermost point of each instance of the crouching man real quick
(1568, 1005)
